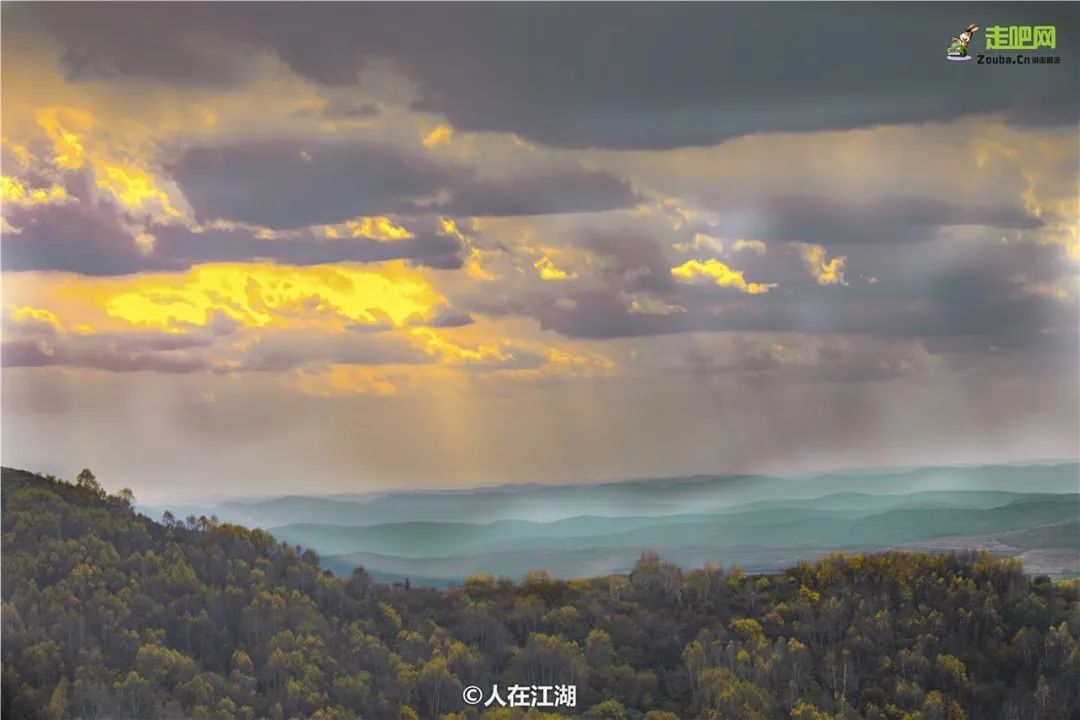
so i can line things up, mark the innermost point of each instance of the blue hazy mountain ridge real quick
(759, 522)
(832, 530)
(1052, 549)
(671, 496)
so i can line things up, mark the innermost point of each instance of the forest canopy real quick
(108, 614)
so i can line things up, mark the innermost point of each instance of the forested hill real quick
(107, 614)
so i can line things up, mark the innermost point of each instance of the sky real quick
(284, 248)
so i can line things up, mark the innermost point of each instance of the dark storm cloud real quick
(178, 247)
(113, 353)
(633, 260)
(32, 342)
(294, 183)
(349, 109)
(93, 239)
(889, 219)
(450, 317)
(86, 238)
(988, 294)
(627, 75)
(164, 41)
(996, 312)
(940, 288)
(603, 314)
(566, 190)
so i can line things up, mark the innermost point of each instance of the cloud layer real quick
(457, 244)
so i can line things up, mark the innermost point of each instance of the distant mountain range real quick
(760, 522)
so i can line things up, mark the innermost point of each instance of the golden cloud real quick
(548, 270)
(645, 304)
(490, 349)
(720, 274)
(476, 260)
(439, 136)
(251, 294)
(60, 125)
(829, 272)
(129, 181)
(377, 228)
(701, 242)
(1046, 163)
(14, 191)
(1042, 289)
(28, 314)
(449, 352)
(754, 245)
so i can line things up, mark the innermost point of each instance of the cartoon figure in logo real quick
(958, 49)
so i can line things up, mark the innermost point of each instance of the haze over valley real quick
(761, 523)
